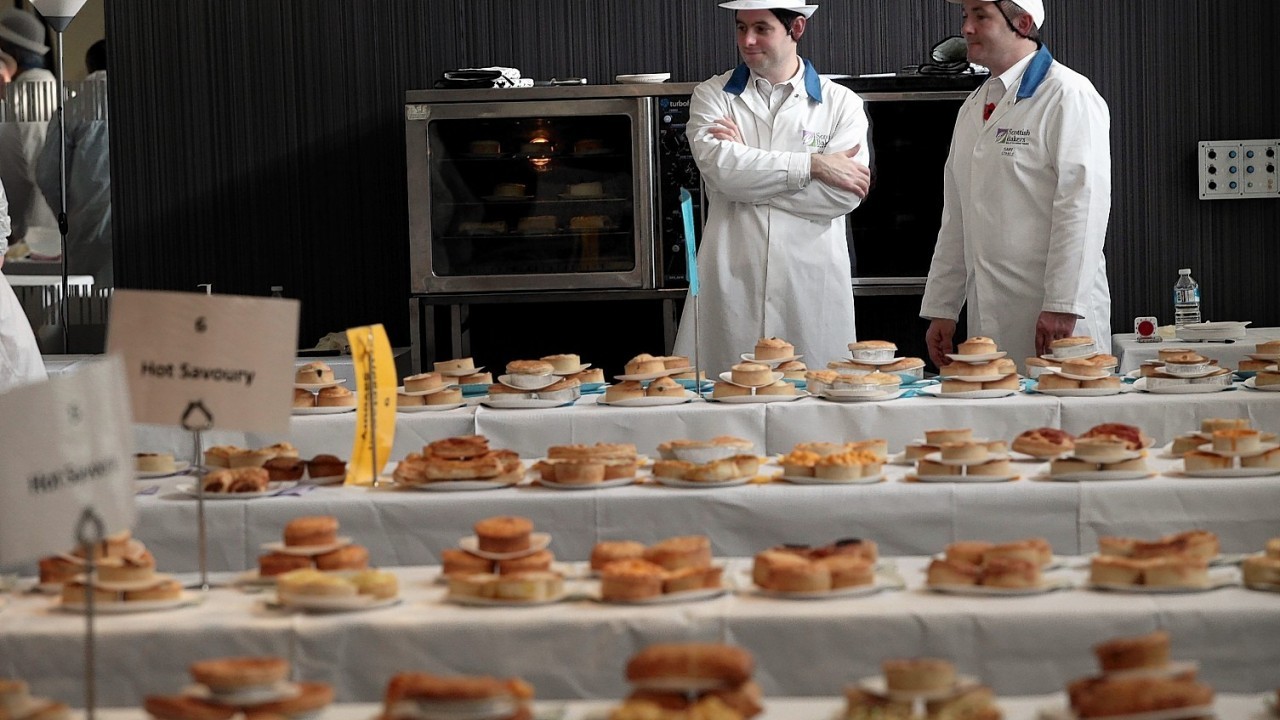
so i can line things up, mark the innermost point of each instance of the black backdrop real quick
(261, 143)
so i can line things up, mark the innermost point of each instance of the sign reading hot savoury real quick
(66, 445)
(222, 361)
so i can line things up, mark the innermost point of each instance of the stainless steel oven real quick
(535, 193)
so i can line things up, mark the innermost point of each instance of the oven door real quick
(532, 195)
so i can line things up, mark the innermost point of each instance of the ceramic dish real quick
(352, 603)
(501, 403)
(326, 410)
(432, 391)
(1252, 384)
(313, 387)
(754, 399)
(1045, 587)
(692, 484)
(305, 550)
(1095, 475)
(470, 601)
(965, 478)
(802, 480)
(841, 396)
(649, 401)
(461, 373)
(1083, 392)
(984, 357)
(936, 391)
(272, 488)
(1263, 448)
(727, 376)
(537, 541)
(751, 358)
(880, 585)
(602, 485)
(247, 696)
(179, 467)
(1237, 472)
(188, 599)
(937, 457)
(978, 378)
(640, 377)
(877, 685)
(666, 598)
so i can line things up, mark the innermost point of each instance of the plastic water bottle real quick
(1186, 299)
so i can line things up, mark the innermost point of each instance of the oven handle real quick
(864, 286)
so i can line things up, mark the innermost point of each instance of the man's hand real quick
(726, 129)
(1052, 326)
(938, 338)
(840, 170)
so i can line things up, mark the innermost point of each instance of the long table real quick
(1132, 353)
(411, 527)
(1227, 706)
(578, 648)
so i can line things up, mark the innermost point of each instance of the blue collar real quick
(1035, 73)
(812, 83)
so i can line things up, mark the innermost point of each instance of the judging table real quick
(1132, 354)
(409, 527)
(577, 648)
(1227, 706)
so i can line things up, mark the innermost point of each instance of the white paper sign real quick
(224, 359)
(65, 445)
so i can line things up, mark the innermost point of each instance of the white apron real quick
(20, 361)
(1027, 199)
(774, 260)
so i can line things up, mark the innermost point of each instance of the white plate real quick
(155, 580)
(1238, 472)
(727, 376)
(836, 396)
(880, 585)
(654, 375)
(1252, 384)
(844, 393)
(1188, 389)
(678, 483)
(1216, 582)
(453, 485)
(411, 409)
(965, 478)
(876, 685)
(305, 550)
(877, 363)
(666, 598)
(272, 489)
(1128, 455)
(801, 480)
(616, 482)
(334, 604)
(936, 391)
(1273, 357)
(1062, 358)
(977, 378)
(1059, 713)
(179, 467)
(971, 359)
(751, 358)
(937, 457)
(432, 391)
(1046, 587)
(500, 403)
(649, 401)
(1102, 475)
(469, 601)
(1264, 587)
(1265, 447)
(1134, 374)
(327, 410)
(562, 373)
(753, 399)
(188, 599)
(1084, 392)
(323, 480)
(248, 696)
(537, 541)
(641, 78)
(318, 386)
(461, 373)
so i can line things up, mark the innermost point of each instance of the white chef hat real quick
(24, 30)
(1034, 8)
(792, 5)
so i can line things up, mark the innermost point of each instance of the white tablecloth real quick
(1227, 706)
(578, 648)
(1132, 353)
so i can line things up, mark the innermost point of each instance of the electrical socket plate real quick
(1239, 169)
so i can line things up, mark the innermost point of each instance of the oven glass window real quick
(531, 196)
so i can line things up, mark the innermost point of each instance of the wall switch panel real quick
(1239, 169)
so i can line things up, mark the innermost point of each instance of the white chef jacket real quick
(1027, 196)
(20, 360)
(33, 220)
(774, 260)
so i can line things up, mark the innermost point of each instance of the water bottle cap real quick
(1184, 271)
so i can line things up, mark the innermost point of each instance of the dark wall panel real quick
(261, 143)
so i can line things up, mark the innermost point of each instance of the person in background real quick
(20, 361)
(31, 97)
(1027, 196)
(88, 173)
(784, 154)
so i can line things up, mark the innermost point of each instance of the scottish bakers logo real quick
(815, 139)
(1009, 136)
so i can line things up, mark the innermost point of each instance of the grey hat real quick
(23, 30)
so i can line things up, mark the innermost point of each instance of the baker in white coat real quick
(1027, 195)
(20, 360)
(784, 157)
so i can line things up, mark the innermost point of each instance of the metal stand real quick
(197, 419)
(89, 532)
(62, 193)
(697, 344)
(371, 392)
